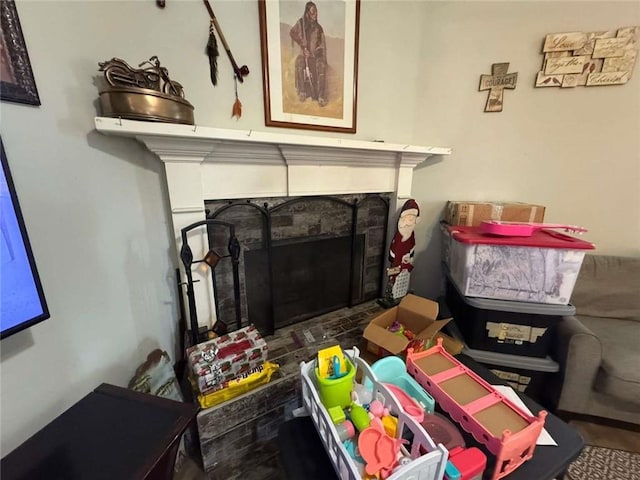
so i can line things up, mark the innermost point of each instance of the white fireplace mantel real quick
(205, 163)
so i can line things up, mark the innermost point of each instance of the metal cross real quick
(496, 83)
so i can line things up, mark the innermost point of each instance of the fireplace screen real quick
(300, 257)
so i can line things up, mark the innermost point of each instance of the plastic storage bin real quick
(542, 268)
(503, 326)
(523, 374)
(430, 466)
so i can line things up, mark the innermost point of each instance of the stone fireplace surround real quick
(204, 163)
(297, 259)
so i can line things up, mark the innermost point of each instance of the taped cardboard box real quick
(417, 314)
(473, 213)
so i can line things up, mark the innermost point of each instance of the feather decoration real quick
(236, 110)
(212, 53)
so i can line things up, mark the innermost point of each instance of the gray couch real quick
(599, 347)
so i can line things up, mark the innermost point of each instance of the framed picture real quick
(16, 78)
(310, 63)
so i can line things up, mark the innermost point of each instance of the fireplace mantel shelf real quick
(176, 142)
(204, 163)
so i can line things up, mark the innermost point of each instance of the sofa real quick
(599, 347)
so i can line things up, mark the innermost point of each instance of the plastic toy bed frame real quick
(511, 449)
(430, 466)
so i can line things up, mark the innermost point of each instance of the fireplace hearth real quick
(300, 257)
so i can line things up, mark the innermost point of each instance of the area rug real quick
(599, 463)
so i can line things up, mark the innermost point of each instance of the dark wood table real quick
(112, 433)
(303, 455)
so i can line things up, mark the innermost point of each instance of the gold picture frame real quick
(314, 89)
(16, 77)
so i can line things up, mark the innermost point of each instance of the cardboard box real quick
(222, 359)
(415, 313)
(473, 213)
(450, 344)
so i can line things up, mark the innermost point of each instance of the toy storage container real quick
(430, 466)
(523, 374)
(542, 268)
(503, 326)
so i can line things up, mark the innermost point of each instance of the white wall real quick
(576, 151)
(97, 210)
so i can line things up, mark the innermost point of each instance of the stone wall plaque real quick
(557, 42)
(562, 65)
(610, 47)
(620, 64)
(612, 78)
(599, 58)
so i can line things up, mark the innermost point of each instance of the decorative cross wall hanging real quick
(496, 83)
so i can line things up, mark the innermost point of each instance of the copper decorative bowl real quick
(145, 104)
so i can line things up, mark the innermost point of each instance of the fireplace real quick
(204, 163)
(299, 257)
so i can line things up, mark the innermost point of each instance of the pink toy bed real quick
(492, 419)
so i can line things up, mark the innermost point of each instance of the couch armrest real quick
(579, 352)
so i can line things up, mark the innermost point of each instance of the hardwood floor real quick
(608, 436)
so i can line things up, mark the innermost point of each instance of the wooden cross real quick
(496, 83)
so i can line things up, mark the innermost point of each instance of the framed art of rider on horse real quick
(310, 63)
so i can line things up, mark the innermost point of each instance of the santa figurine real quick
(401, 251)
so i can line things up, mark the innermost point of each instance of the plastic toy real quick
(359, 417)
(345, 430)
(451, 472)
(330, 362)
(377, 409)
(397, 328)
(409, 334)
(443, 431)
(522, 229)
(402, 461)
(470, 462)
(361, 394)
(336, 392)
(337, 415)
(409, 405)
(392, 370)
(337, 370)
(352, 449)
(379, 450)
(478, 408)
(428, 459)
(390, 425)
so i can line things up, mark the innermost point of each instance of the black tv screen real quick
(22, 303)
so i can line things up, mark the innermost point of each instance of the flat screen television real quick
(23, 303)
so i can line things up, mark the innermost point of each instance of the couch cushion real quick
(608, 286)
(619, 374)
